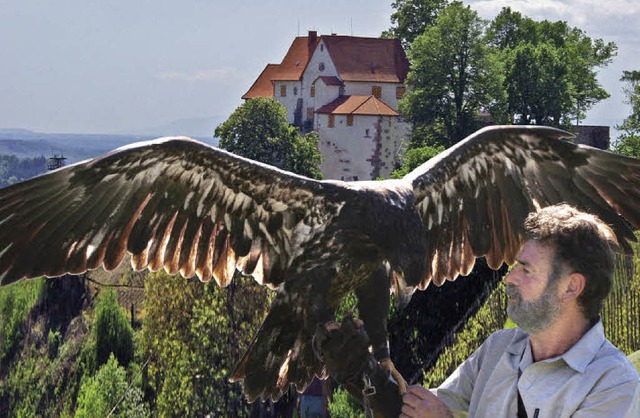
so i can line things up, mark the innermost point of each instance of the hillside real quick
(75, 147)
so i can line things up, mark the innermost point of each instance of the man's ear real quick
(574, 286)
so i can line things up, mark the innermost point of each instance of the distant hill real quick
(75, 147)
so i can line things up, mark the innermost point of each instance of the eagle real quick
(190, 208)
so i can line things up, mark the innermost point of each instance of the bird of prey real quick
(187, 207)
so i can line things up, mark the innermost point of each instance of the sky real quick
(113, 66)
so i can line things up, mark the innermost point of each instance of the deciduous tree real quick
(411, 17)
(550, 76)
(258, 129)
(629, 139)
(452, 78)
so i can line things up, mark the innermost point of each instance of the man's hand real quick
(418, 402)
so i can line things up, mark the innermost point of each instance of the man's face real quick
(533, 300)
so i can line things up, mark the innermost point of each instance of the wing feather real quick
(494, 178)
(172, 203)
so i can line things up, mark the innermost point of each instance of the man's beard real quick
(537, 315)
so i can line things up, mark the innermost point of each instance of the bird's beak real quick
(401, 291)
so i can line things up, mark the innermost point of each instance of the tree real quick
(452, 78)
(629, 140)
(112, 331)
(411, 17)
(193, 334)
(414, 158)
(258, 129)
(551, 68)
(108, 391)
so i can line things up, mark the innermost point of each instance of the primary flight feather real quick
(181, 205)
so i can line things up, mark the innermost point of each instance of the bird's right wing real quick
(474, 197)
(172, 203)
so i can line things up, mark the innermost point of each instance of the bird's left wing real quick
(474, 197)
(173, 203)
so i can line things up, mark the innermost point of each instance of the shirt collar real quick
(577, 357)
(584, 351)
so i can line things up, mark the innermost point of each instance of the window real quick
(283, 90)
(309, 113)
(295, 91)
(366, 132)
(321, 47)
(321, 66)
(313, 91)
(376, 91)
(349, 120)
(332, 121)
(400, 91)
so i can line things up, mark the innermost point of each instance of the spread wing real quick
(474, 197)
(173, 203)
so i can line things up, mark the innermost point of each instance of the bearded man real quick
(557, 363)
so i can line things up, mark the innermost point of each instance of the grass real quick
(16, 302)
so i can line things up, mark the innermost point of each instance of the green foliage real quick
(537, 84)
(193, 334)
(489, 318)
(451, 77)
(16, 302)
(550, 76)
(416, 157)
(621, 310)
(411, 17)
(112, 331)
(343, 405)
(629, 141)
(259, 130)
(635, 359)
(109, 389)
(14, 169)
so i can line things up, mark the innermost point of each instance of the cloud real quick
(593, 13)
(612, 20)
(222, 74)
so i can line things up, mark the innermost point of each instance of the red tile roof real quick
(368, 59)
(291, 67)
(329, 80)
(356, 59)
(358, 105)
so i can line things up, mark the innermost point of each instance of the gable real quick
(290, 69)
(358, 105)
(367, 59)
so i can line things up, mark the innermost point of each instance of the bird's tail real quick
(280, 354)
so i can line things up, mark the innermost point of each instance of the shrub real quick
(343, 405)
(108, 391)
(16, 301)
(112, 331)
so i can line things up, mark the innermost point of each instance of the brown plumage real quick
(186, 207)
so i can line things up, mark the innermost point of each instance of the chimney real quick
(311, 41)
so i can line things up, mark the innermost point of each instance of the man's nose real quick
(511, 277)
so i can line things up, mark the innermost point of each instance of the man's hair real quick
(583, 243)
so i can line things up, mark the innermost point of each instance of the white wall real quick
(367, 150)
(290, 100)
(364, 89)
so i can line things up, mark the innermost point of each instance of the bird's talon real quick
(388, 365)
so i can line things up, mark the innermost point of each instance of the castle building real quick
(347, 89)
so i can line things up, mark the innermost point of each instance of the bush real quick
(343, 405)
(16, 301)
(112, 331)
(108, 391)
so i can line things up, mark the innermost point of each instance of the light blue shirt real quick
(592, 379)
